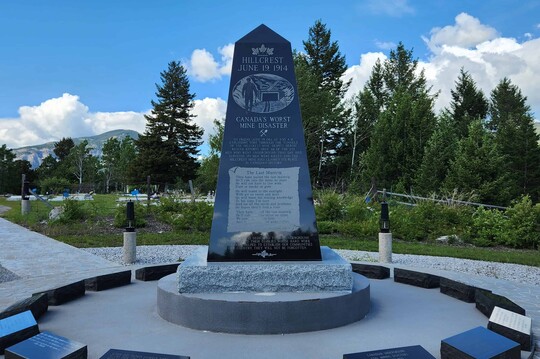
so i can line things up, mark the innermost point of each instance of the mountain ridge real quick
(36, 153)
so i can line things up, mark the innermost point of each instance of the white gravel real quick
(511, 272)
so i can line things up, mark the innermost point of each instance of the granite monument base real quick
(265, 312)
(332, 274)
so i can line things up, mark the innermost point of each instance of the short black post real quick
(385, 236)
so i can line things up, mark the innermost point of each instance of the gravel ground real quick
(511, 272)
(7, 276)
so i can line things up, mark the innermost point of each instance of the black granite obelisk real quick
(264, 206)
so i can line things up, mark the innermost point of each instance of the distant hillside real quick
(36, 154)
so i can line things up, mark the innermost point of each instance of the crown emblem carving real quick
(263, 50)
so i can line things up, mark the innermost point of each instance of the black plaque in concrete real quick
(65, 293)
(37, 304)
(419, 279)
(47, 346)
(129, 354)
(513, 326)
(17, 328)
(479, 343)
(264, 206)
(459, 290)
(155, 272)
(486, 301)
(108, 281)
(412, 352)
(371, 271)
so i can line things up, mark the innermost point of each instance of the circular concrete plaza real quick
(127, 318)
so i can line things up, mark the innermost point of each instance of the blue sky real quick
(79, 68)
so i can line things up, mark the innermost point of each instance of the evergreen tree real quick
(321, 90)
(208, 172)
(468, 103)
(479, 167)
(439, 152)
(513, 126)
(168, 148)
(63, 147)
(405, 124)
(7, 158)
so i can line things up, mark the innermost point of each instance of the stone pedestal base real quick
(332, 274)
(262, 313)
(130, 247)
(25, 206)
(385, 247)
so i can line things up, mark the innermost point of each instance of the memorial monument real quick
(264, 237)
(264, 205)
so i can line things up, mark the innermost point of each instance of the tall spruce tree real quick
(513, 126)
(168, 148)
(321, 90)
(404, 125)
(479, 167)
(439, 152)
(468, 103)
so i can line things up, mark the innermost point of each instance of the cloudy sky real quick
(80, 68)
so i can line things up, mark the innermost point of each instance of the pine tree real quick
(468, 103)
(168, 148)
(513, 126)
(439, 152)
(405, 124)
(479, 167)
(321, 91)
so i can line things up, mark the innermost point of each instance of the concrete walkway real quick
(44, 263)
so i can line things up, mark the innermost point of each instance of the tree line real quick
(388, 134)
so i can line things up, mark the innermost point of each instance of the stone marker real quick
(65, 293)
(37, 304)
(17, 328)
(486, 301)
(264, 204)
(419, 279)
(459, 290)
(129, 354)
(47, 346)
(108, 281)
(412, 352)
(479, 343)
(155, 272)
(371, 271)
(514, 326)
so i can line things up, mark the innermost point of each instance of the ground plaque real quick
(479, 343)
(17, 328)
(47, 346)
(514, 326)
(130, 354)
(412, 352)
(264, 207)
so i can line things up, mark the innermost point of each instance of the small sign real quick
(47, 345)
(129, 354)
(412, 352)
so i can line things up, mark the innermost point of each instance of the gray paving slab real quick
(126, 317)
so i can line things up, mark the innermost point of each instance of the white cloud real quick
(467, 32)
(207, 110)
(64, 116)
(385, 45)
(393, 8)
(359, 74)
(203, 67)
(480, 50)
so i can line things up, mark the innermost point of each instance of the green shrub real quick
(73, 211)
(488, 227)
(120, 220)
(327, 227)
(53, 185)
(329, 207)
(522, 225)
(192, 216)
